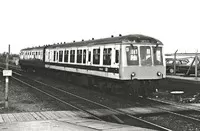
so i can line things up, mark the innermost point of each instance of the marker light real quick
(133, 75)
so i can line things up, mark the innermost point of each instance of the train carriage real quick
(32, 58)
(130, 62)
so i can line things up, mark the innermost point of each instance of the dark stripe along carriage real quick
(133, 63)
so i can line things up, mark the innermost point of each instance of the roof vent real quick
(120, 34)
(61, 43)
(82, 39)
(64, 42)
(112, 36)
(92, 38)
(58, 43)
(74, 41)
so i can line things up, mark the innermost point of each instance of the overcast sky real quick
(27, 23)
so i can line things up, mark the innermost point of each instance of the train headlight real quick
(159, 73)
(133, 75)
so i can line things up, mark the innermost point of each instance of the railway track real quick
(98, 105)
(188, 112)
(82, 104)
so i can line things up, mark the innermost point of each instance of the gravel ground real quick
(21, 99)
(191, 91)
(174, 123)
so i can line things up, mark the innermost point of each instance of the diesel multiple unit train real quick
(133, 63)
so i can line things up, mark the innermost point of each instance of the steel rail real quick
(175, 104)
(171, 112)
(56, 98)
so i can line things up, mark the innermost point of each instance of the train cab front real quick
(143, 64)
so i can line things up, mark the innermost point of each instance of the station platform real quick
(187, 79)
(58, 121)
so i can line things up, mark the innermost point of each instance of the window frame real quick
(155, 60)
(96, 53)
(79, 56)
(107, 54)
(72, 55)
(134, 54)
(60, 59)
(66, 55)
(147, 60)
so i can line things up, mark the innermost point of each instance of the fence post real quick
(196, 74)
(175, 62)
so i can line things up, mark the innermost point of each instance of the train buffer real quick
(177, 95)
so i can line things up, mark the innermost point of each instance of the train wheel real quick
(101, 85)
(114, 87)
(144, 92)
(135, 88)
(90, 82)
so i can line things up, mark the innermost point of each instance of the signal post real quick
(7, 73)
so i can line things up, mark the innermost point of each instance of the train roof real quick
(120, 39)
(34, 48)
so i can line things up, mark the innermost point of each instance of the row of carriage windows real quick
(148, 56)
(31, 53)
(69, 56)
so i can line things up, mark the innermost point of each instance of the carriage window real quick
(54, 56)
(60, 56)
(84, 56)
(96, 56)
(79, 56)
(157, 56)
(145, 54)
(48, 55)
(116, 56)
(89, 56)
(72, 56)
(57, 56)
(66, 54)
(132, 55)
(34, 55)
(107, 56)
